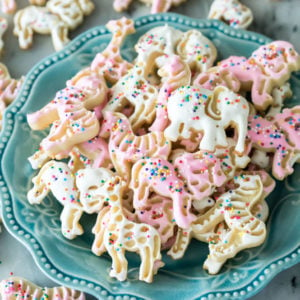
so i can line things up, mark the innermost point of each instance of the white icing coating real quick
(135, 89)
(196, 50)
(116, 234)
(232, 12)
(209, 112)
(15, 288)
(3, 28)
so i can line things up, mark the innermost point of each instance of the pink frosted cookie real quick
(159, 176)
(268, 67)
(15, 288)
(109, 62)
(126, 148)
(280, 137)
(231, 12)
(69, 113)
(202, 172)
(229, 226)
(214, 77)
(193, 109)
(56, 18)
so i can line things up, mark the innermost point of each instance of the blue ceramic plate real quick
(71, 262)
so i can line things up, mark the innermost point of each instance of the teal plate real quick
(71, 262)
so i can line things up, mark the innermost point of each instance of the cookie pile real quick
(167, 148)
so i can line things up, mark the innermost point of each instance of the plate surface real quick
(71, 262)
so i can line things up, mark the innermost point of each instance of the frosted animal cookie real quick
(281, 137)
(56, 18)
(159, 176)
(15, 288)
(231, 12)
(174, 73)
(125, 148)
(193, 109)
(268, 67)
(201, 171)
(57, 177)
(134, 89)
(154, 43)
(69, 113)
(9, 89)
(214, 77)
(109, 62)
(241, 229)
(196, 50)
(119, 234)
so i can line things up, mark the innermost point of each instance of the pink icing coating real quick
(289, 121)
(159, 176)
(97, 150)
(125, 147)
(280, 139)
(201, 171)
(269, 65)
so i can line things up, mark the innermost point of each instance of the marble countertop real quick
(276, 19)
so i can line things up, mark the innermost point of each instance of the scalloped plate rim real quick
(17, 105)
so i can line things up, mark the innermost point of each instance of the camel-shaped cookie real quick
(15, 288)
(56, 18)
(193, 109)
(117, 234)
(231, 12)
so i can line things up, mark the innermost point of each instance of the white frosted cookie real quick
(17, 288)
(56, 18)
(196, 50)
(193, 109)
